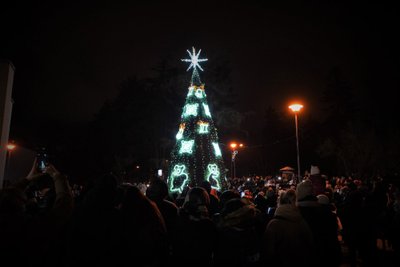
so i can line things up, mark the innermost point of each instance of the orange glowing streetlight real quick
(234, 147)
(10, 147)
(296, 108)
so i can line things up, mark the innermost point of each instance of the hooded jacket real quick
(288, 240)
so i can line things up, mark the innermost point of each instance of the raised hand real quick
(34, 173)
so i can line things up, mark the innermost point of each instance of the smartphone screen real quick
(41, 165)
(41, 160)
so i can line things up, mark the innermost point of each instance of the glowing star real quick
(213, 176)
(179, 135)
(206, 110)
(194, 60)
(203, 127)
(217, 150)
(179, 178)
(191, 109)
(186, 147)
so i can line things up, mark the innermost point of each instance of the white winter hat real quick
(314, 170)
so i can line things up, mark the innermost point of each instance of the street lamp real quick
(234, 146)
(296, 108)
(10, 148)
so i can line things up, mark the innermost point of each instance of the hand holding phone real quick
(42, 160)
(34, 173)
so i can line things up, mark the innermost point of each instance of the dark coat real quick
(288, 240)
(323, 224)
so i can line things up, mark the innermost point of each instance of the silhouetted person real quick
(195, 238)
(95, 234)
(288, 240)
(214, 200)
(322, 224)
(226, 196)
(158, 192)
(238, 240)
(359, 228)
(36, 237)
(144, 233)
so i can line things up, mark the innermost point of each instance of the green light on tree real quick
(196, 156)
(191, 110)
(179, 178)
(186, 147)
(213, 176)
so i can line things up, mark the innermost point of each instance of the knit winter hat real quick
(304, 189)
(323, 199)
(314, 170)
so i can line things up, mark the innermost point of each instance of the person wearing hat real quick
(238, 239)
(288, 240)
(193, 243)
(330, 207)
(317, 180)
(322, 224)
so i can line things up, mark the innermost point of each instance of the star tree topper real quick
(194, 60)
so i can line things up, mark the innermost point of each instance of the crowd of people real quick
(46, 221)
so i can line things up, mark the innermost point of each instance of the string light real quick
(199, 93)
(217, 150)
(194, 60)
(196, 156)
(190, 90)
(191, 110)
(179, 135)
(179, 171)
(186, 147)
(203, 127)
(213, 176)
(206, 110)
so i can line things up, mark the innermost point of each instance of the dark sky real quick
(70, 58)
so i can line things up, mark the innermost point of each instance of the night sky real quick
(70, 58)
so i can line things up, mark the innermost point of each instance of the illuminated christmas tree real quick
(197, 155)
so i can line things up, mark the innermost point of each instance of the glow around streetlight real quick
(11, 147)
(234, 145)
(296, 107)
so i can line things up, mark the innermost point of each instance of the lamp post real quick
(234, 146)
(296, 108)
(10, 148)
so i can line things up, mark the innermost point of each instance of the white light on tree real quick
(206, 110)
(196, 156)
(179, 178)
(213, 176)
(191, 109)
(186, 147)
(217, 150)
(191, 89)
(203, 127)
(194, 60)
(199, 93)
(179, 135)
